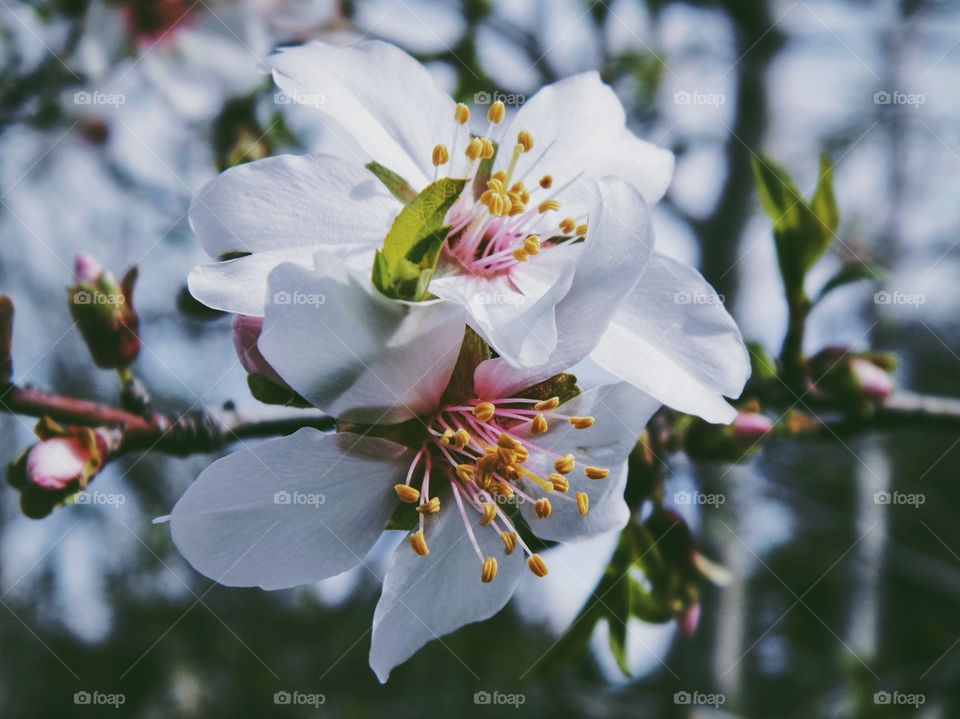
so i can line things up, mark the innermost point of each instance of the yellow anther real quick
(504, 490)
(581, 229)
(487, 149)
(440, 155)
(565, 464)
(446, 436)
(583, 503)
(461, 113)
(419, 543)
(489, 570)
(430, 507)
(488, 463)
(523, 454)
(559, 482)
(496, 113)
(466, 472)
(568, 225)
(489, 513)
(520, 255)
(532, 245)
(461, 438)
(547, 206)
(596, 472)
(474, 148)
(499, 175)
(582, 422)
(525, 139)
(505, 440)
(547, 404)
(509, 542)
(537, 565)
(406, 493)
(512, 472)
(506, 457)
(546, 182)
(543, 508)
(539, 425)
(484, 411)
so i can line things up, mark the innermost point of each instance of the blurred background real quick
(112, 114)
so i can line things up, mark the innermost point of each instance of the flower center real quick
(484, 450)
(508, 223)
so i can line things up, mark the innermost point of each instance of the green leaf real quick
(801, 233)
(404, 266)
(850, 272)
(268, 392)
(397, 186)
(824, 204)
(405, 517)
(762, 366)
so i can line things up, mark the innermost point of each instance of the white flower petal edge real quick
(232, 526)
(580, 126)
(621, 412)
(383, 97)
(674, 339)
(427, 597)
(618, 245)
(351, 351)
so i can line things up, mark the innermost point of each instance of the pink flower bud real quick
(87, 269)
(874, 382)
(246, 332)
(749, 427)
(56, 462)
(688, 619)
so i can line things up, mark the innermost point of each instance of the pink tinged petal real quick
(86, 269)
(618, 246)
(292, 201)
(353, 352)
(289, 511)
(688, 619)
(246, 331)
(56, 462)
(873, 381)
(749, 427)
(674, 339)
(387, 101)
(425, 598)
(586, 123)
(621, 413)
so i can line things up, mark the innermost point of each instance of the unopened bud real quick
(246, 331)
(104, 312)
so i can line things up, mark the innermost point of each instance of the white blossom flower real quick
(418, 432)
(513, 246)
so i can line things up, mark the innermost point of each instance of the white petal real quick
(234, 525)
(380, 95)
(426, 597)
(621, 412)
(353, 352)
(292, 201)
(674, 339)
(617, 247)
(240, 285)
(586, 123)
